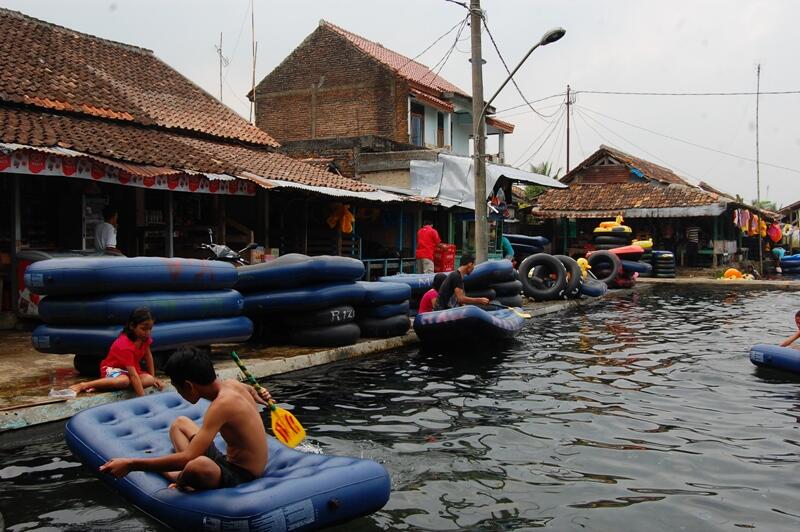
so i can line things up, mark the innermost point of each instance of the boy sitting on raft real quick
(451, 293)
(197, 464)
(792, 339)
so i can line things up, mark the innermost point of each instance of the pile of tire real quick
(663, 264)
(547, 277)
(497, 281)
(525, 246)
(385, 310)
(88, 300)
(304, 301)
(619, 267)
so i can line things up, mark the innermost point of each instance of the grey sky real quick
(617, 45)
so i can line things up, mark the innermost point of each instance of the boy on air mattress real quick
(197, 464)
(792, 339)
(122, 367)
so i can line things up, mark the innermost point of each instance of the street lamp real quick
(481, 222)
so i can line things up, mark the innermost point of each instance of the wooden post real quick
(16, 240)
(266, 219)
(169, 227)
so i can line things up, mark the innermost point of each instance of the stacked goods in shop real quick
(663, 264)
(88, 301)
(525, 246)
(444, 258)
(384, 311)
(302, 300)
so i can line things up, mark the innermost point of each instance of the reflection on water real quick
(638, 412)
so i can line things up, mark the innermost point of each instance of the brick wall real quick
(327, 88)
(617, 173)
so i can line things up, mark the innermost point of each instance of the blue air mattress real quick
(776, 357)
(302, 298)
(487, 273)
(116, 308)
(86, 275)
(96, 340)
(383, 293)
(790, 260)
(467, 324)
(295, 269)
(298, 491)
(633, 266)
(536, 241)
(384, 311)
(525, 250)
(593, 287)
(419, 282)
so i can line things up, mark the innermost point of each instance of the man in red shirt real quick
(427, 240)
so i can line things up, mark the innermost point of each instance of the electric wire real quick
(532, 101)
(676, 139)
(630, 93)
(505, 65)
(448, 32)
(535, 140)
(577, 136)
(238, 38)
(551, 129)
(654, 156)
(434, 72)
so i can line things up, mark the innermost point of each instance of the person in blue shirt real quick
(507, 248)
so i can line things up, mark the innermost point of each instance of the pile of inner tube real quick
(612, 234)
(89, 300)
(790, 264)
(547, 277)
(497, 281)
(663, 264)
(319, 301)
(525, 246)
(619, 267)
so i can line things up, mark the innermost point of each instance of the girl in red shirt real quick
(122, 368)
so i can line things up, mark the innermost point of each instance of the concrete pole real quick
(478, 135)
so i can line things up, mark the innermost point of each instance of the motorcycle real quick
(224, 253)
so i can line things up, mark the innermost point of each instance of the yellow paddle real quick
(285, 426)
(515, 311)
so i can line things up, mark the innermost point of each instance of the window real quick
(417, 125)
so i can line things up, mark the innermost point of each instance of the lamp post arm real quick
(511, 75)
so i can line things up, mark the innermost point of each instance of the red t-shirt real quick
(427, 240)
(124, 353)
(426, 303)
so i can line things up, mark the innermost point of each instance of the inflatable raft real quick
(298, 491)
(116, 308)
(776, 357)
(96, 340)
(467, 324)
(303, 298)
(295, 269)
(79, 275)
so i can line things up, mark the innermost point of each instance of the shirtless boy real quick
(197, 464)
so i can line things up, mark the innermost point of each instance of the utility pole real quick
(478, 135)
(758, 177)
(219, 52)
(255, 48)
(568, 104)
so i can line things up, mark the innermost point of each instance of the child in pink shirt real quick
(426, 303)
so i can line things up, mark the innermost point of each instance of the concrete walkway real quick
(26, 376)
(775, 284)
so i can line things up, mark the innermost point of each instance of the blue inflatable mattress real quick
(295, 269)
(467, 324)
(116, 308)
(419, 282)
(302, 298)
(536, 241)
(298, 491)
(491, 272)
(383, 293)
(776, 357)
(634, 266)
(95, 340)
(85, 275)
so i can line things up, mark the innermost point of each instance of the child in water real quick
(122, 368)
(792, 339)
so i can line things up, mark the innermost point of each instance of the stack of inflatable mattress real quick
(790, 264)
(302, 300)
(525, 246)
(298, 491)
(384, 311)
(496, 280)
(663, 264)
(418, 283)
(88, 301)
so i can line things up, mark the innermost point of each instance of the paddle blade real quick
(285, 427)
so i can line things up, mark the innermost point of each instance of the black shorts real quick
(231, 474)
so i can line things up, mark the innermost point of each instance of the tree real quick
(765, 205)
(543, 168)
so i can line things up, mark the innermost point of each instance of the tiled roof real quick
(621, 196)
(433, 100)
(404, 66)
(502, 125)
(55, 68)
(650, 170)
(124, 141)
